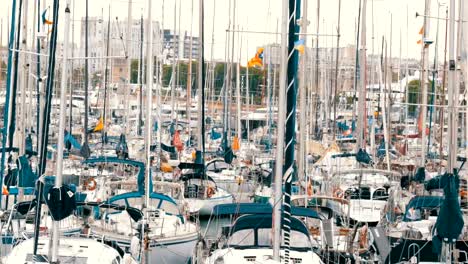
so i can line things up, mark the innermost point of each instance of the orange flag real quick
(235, 144)
(177, 142)
(5, 190)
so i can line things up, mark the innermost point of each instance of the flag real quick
(99, 126)
(299, 45)
(235, 144)
(177, 142)
(257, 60)
(5, 190)
(44, 19)
(421, 32)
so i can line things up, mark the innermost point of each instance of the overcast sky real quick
(264, 15)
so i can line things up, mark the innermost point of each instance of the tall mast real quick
(336, 68)
(140, 71)
(39, 83)
(129, 66)
(425, 62)
(289, 115)
(356, 64)
(7, 95)
(302, 97)
(238, 95)
(14, 88)
(317, 60)
(174, 62)
(23, 80)
(247, 96)
(70, 102)
(42, 155)
(86, 80)
(201, 80)
(464, 59)
(62, 124)
(362, 88)
(452, 93)
(148, 121)
(188, 103)
(106, 80)
(278, 191)
(29, 120)
(149, 97)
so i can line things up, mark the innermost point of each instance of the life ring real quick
(338, 193)
(210, 191)
(90, 184)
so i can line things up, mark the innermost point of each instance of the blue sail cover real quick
(450, 220)
(28, 144)
(26, 175)
(214, 135)
(69, 139)
(122, 149)
(61, 202)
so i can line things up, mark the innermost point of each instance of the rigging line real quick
(121, 37)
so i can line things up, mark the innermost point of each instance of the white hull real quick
(205, 206)
(366, 211)
(259, 256)
(175, 250)
(71, 250)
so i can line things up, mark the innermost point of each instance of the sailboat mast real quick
(278, 187)
(356, 62)
(23, 81)
(174, 62)
(140, 71)
(62, 124)
(289, 115)
(337, 59)
(39, 80)
(149, 100)
(425, 62)
(201, 80)
(301, 159)
(464, 59)
(362, 88)
(29, 121)
(106, 80)
(238, 96)
(452, 93)
(86, 77)
(7, 95)
(14, 88)
(129, 67)
(46, 120)
(188, 103)
(70, 102)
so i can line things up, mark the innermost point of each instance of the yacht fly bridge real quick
(367, 191)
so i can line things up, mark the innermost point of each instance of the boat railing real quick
(413, 251)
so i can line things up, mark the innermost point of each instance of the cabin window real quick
(135, 202)
(380, 194)
(120, 202)
(245, 237)
(299, 240)
(264, 236)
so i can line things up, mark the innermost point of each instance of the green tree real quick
(414, 88)
(134, 71)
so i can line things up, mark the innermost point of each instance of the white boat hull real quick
(205, 206)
